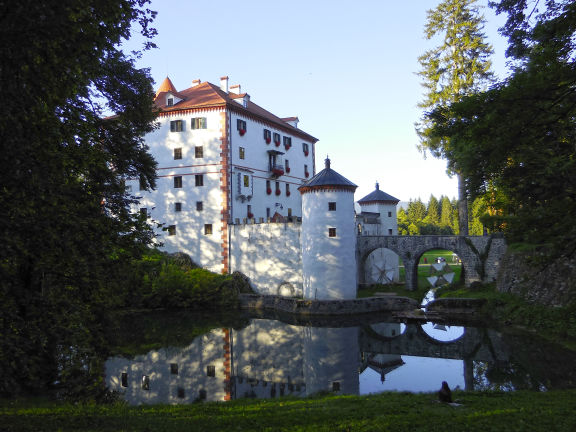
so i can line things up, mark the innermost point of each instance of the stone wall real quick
(550, 283)
(327, 307)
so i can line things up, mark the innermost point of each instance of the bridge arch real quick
(480, 255)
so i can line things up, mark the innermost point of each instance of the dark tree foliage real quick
(65, 224)
(516, 143)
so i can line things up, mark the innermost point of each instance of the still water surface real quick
(269, 358)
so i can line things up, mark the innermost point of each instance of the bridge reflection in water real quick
(269, 358)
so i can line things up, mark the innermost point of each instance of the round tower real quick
(328, 236)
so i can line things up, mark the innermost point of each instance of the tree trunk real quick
(462, 206)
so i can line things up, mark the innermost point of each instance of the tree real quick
(66, 224)
(433, 211)
(416, 211)
(516, 143)
(458, 67)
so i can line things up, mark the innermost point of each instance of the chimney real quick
(224, 84)
(195, 82)
(236, 89)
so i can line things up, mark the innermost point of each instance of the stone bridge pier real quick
(480, 255)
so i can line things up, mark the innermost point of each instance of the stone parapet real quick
(327, 307)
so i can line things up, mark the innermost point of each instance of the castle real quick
(237, 190)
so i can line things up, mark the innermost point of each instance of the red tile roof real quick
(207, 95)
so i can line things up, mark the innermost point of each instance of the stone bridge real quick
(480, 255)
(475, 344)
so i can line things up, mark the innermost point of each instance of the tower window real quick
(178, 153)
(177, 126)
(241, 152)
(124, 379)
(178, 181)
(241, 126)
(331, 206)
(207, 229)
(390, 231)
(198, 152)
(331, 232)
(199, 179)
(174, 368)
(267, 136)
(389, 214)
(172, 230)
(199, 206)
(178, 207)
(211, 371)
(181, 393)
(246, 181)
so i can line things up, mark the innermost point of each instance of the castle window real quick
(174, 368)
(246, 181)
(241, 126)
(305, 149)
(178, 181)
(198, 123)
(336, 386)
(145, 382)
(287, 166)
(287, 142)
(390, 231)
(278, 191)
(287, 189)
(202, 394)
(170, 101)
(389, 214)
(171, 230)
(198, 152)
(267, 136)
(199, 206)
(178, 207)
(268, 187)
(331, 206)
(241, 152)
(276, 139)
(199, 179)
(181, 393)
(267, 212)
(331, 232)
(306, 172)
(207, 229)
(177, 126)
(124, 379)
(178, 153)
(211, 371)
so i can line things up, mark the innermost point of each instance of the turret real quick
(328, 236)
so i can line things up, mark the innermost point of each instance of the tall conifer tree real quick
(459, 66)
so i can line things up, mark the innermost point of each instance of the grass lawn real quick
(515, 411)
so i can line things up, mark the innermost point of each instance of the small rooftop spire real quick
(327, 162)
(377, 185)
(166, 86)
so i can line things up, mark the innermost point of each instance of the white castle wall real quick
(328, 263)
(270, 255)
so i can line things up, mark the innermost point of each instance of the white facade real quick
(227, 194)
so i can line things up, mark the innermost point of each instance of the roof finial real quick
(377, 185)
(327, 162)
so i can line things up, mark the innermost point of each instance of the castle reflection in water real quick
(265, 359)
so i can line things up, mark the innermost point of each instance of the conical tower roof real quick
(378, 197)
(327, 179)
(166, 86)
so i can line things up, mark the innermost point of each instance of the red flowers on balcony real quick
(241, 132)
(306, 174)
(250, 215)
(306, 153)
(268, 140)
(277, 171)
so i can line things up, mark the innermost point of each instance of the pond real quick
(267, 357)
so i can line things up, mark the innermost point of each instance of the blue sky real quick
(346, 69)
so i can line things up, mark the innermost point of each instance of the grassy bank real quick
(518, 411)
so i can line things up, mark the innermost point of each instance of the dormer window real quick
(170, 101)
